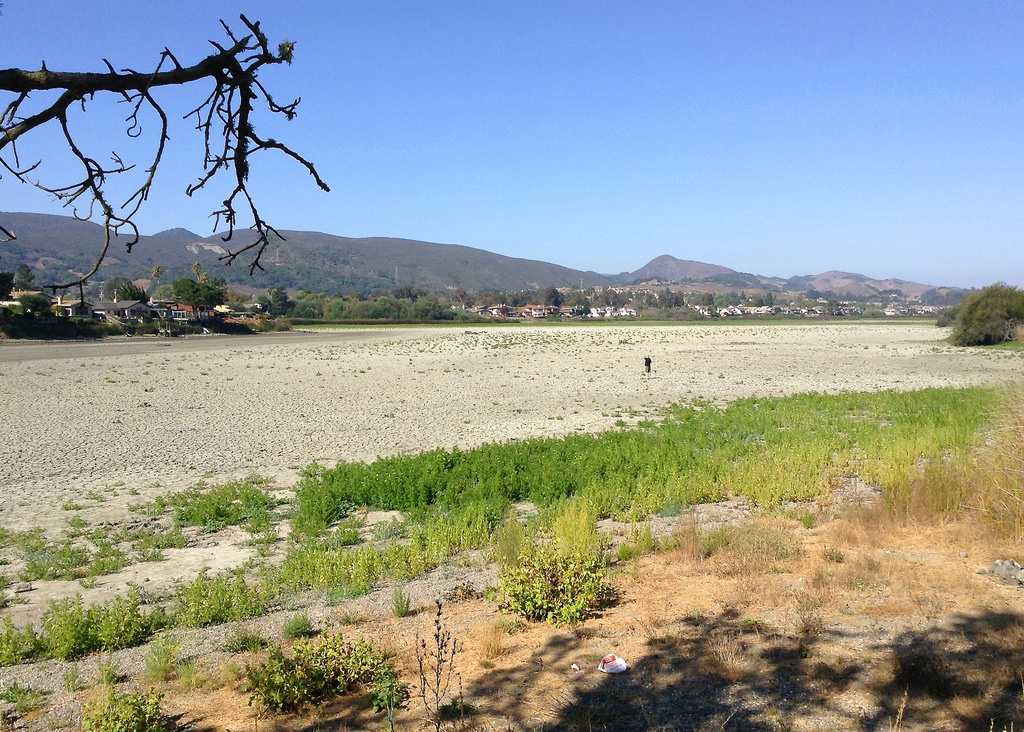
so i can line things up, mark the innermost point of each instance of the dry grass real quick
(987, 484)
(728, 657)
(492, 642)
(760, 547)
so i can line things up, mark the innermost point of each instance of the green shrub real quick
(574, 528)
(240, 502)
(161, 659)
(17, 645)
(69, 630)
(989, 316)
(24, 698)
(400, 603)
(110, 711)
(245, 641)
(120, 622)
(299, 626)
(563, 589)
(206, 601)
(317, 670)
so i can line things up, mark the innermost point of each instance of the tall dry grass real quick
(998, 474)
(986, 483)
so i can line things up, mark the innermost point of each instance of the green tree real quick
(553, 297)
(131, 291)
(24, 278)
(6, 284)
(200, 294)
(277, 301)
(122, 288)
(989, 316)
(35, 305)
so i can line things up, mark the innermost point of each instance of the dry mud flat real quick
(103, 429)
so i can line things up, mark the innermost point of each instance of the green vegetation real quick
(553, 568)
(241, 502)
(768, 450)
(319, 562)
(245, 641)
(318, 670)
(111, 711)
(161, 659)
(299, 626)
(400, 603)
(559, 577)
(70, 630)
(84, 553)
(24, 698)
(206, 601)
(989, 316)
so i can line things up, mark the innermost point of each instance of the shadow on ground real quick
(724, 673)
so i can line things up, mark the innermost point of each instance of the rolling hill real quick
(59, 247)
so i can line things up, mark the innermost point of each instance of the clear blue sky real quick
(778, 138)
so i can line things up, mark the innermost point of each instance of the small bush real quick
(400, 603)
(551, 586)
(207, 601)
(110, 711)
(509, 539)
(240, 502)
(17, 645)
(317, 670)
(70, 630)
(120, 622)
(299, 626)
(24, 698)
(161, 659)
(245, 641)
(574, 529)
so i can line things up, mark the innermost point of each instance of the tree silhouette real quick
(224, 119)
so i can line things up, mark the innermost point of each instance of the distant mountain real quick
(60, 247)
(715, 278)
(667, 268)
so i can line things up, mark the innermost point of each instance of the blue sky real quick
(778, 138)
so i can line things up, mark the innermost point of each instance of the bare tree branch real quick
(224, 119)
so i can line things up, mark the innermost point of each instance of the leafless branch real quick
(224, 119)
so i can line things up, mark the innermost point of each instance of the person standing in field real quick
(647, 364)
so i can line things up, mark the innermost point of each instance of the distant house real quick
(73, 308)
(537, 311)
(501, 311)
(173, 310)
(122, 309)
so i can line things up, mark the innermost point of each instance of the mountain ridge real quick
(59, 246)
